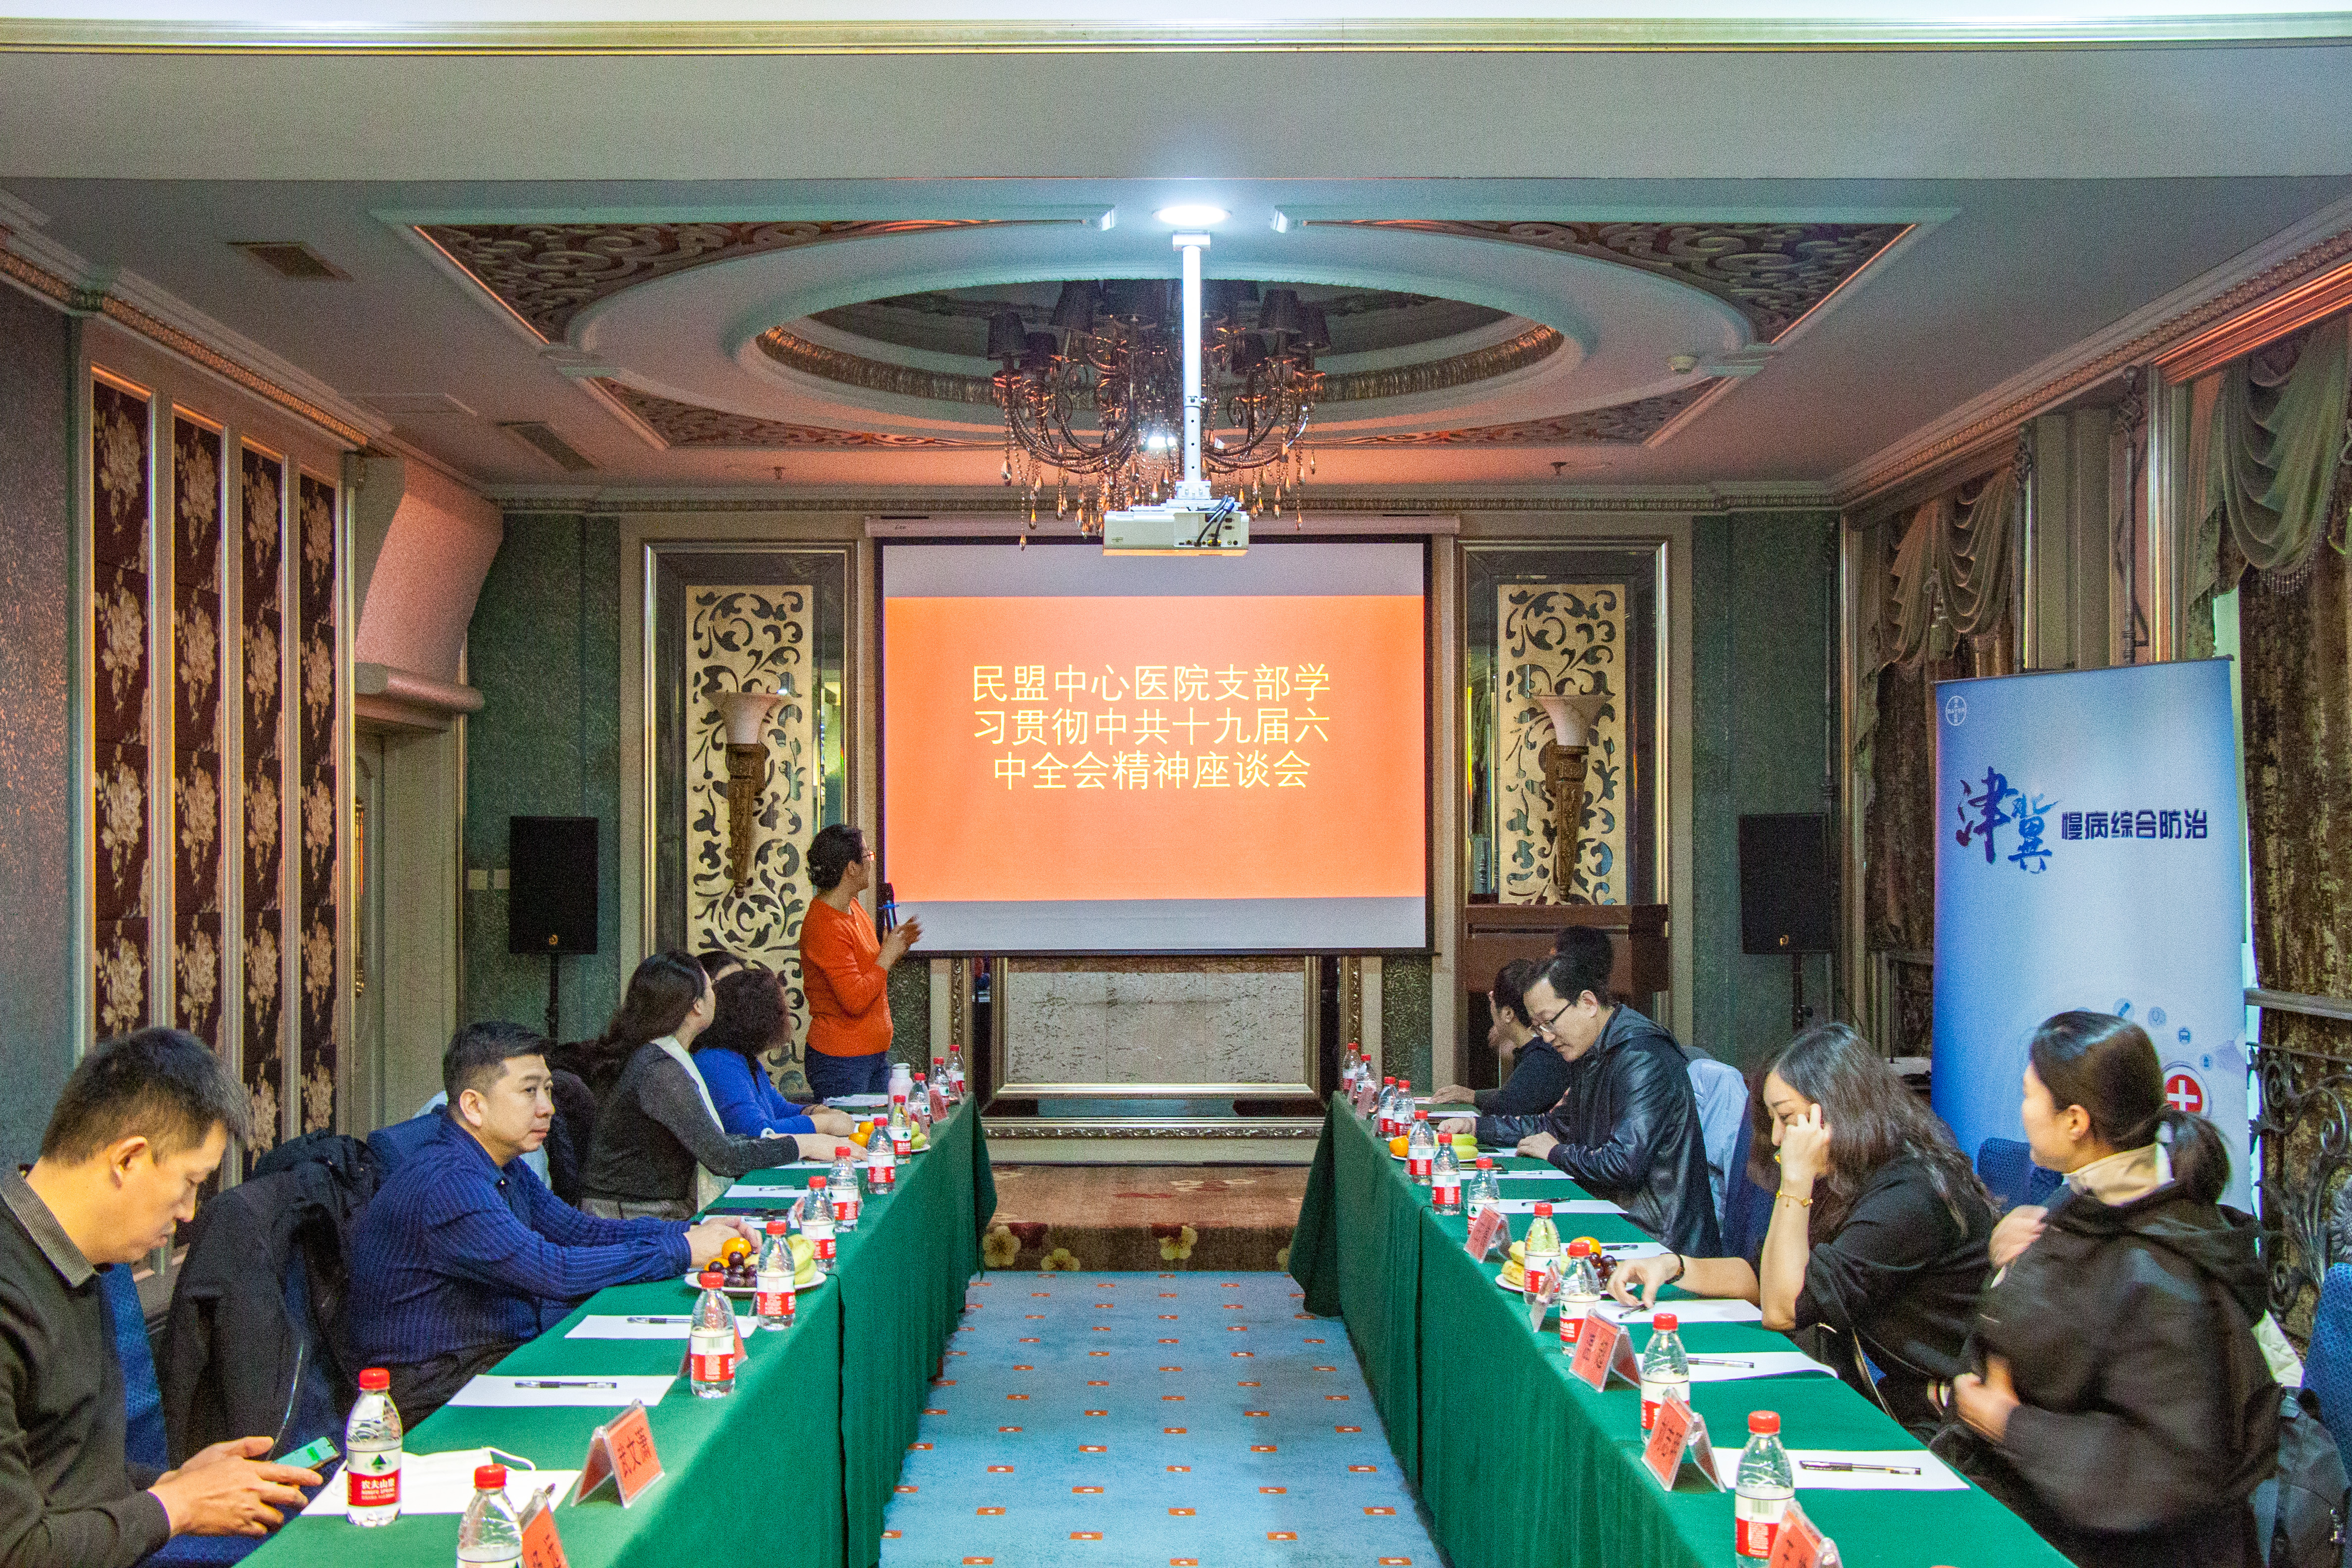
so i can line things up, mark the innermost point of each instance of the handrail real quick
(2295, 1002)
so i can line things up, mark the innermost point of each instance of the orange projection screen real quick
(1092, 754)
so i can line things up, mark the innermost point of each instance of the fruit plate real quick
(745, 1292)
(1515, 1290)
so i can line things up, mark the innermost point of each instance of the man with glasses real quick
(1627, 1126)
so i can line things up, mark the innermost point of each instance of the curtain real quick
(1951, 572)
(2275, 446)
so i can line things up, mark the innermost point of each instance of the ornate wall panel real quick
(1569, 639)
(199, 945)
(261, 513)
(121, 521)
(752, 638)
(1159, 1024)
(315, 723)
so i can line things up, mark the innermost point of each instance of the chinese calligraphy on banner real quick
(2092, 857)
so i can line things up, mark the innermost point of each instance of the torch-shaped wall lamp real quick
(747, 714)
(1572, 719)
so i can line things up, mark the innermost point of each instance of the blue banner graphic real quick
(2089, 853)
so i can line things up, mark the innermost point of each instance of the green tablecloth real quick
(1521, 1465)
(793, 1469)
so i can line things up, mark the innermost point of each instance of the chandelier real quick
(1098, 395)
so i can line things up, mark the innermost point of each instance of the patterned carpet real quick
(1146, 1217)
(1196, 1420)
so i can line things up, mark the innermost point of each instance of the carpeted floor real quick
(1148, 1217)
(1139, 1419)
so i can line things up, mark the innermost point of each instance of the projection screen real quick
(1092, 754)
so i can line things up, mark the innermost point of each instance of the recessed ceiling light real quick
(1192, 215)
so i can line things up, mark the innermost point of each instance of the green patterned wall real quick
(1404, 1018)
(545, 651)
(1763, 591)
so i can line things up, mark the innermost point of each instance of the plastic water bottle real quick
(773, 1294)
(490, 1536)
(844, 1187)
(902, 1085)
(1542, 1251)
(1767, 1481)
(883, 1149)
(1445, 1180)
(1420, 1149)
(1666, 1370)
(1482, 1188)
(1579, 1291)
(901, 1138)
(955, 1075)
(920, 1107)
(710, 1342)
(372, 1448)
(1395, 1113)
(816, 1224)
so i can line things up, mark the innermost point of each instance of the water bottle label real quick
(713, 1358)
(1759, 1523)
(1539, 1276)
(1572, 1313)
(1653, 1391)
(1418, 1167)
(825, 1248)
(845, 1211)
(372, 1481)
(775, 1297)
(1449, 1193)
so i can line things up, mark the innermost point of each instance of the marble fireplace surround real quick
(1157, 1027)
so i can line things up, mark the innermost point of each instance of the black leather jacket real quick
(1628, 1131)
(2149, 1415)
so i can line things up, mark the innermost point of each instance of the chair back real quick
(2327, 1367)
(1721, 1093)
(2007, 1168)
(142, 1438)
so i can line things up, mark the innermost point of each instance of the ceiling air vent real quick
(542, 438)
(291, 258)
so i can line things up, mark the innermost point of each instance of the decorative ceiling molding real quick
(1993, 419)
(1533, 346)
(82, 300)
(672, 424)
(1773, 274)
(2292, 312)
(1627, 424)
(1350, 35)
(547, 273)
(1681, 499)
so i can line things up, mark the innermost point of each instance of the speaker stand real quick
(555, 993)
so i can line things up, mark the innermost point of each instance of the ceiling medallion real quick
(1100, 394)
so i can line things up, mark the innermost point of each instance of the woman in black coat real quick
(2127, 1409)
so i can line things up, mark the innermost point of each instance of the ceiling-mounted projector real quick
(1186, 527)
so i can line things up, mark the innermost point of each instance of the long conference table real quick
(1521, 1464)
(791, 1471)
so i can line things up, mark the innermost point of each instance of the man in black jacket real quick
(143, 1121)
(1626, 1128)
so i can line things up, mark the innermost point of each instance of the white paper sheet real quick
(1926, 1473)
(1695, 1311)
(1732, 1366)
(1545, 1174)
(1559, 1206)
(775, 1189)
(561, 1388)
(444, 1483)
(861, 1101)
(605, 1326)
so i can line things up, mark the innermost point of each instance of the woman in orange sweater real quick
(846, 968)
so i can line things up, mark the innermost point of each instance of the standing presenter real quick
(846, 970)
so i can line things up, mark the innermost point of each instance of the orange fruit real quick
(733, 1250)
(1396, 1146)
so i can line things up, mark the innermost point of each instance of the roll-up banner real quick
(2089, 853)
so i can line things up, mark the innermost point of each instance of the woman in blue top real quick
(753, 1019)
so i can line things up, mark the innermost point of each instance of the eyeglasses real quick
(1544, 1028)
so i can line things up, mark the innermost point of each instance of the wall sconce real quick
(1562, 757)
(747, 714)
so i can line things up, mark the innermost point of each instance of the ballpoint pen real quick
(665, 1321)
(1842, 1466)
(565, 1382)
(1718, 1361)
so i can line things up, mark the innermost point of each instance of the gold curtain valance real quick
(1951, 577)
(2274, 452)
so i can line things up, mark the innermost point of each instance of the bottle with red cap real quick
(1419, 1149)
(371, 1451)
(816, 1223)
(1445, 1180)
(1482, 1188)
(774, 1293)
(846, 1198)
(1541, 1251)
(490, 1536)
(710, 1341)
(1665, 1369)
(1580, 1292)
(1765, 1482)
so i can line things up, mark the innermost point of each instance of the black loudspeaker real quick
(552, 884)
(1784, 885)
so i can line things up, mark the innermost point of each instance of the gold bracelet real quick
(1801, 1203)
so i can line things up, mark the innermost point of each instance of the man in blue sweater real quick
(465, 1254)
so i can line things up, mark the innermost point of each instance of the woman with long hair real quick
(752, 1019)
(2126, 1410)
(1878, 1229)
(659, 1147)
